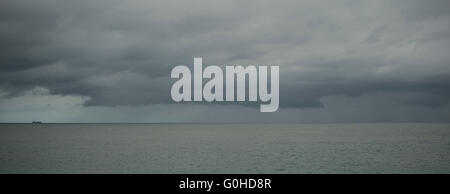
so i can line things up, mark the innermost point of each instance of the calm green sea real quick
(225, 148)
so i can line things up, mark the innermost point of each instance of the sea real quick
(225, 148)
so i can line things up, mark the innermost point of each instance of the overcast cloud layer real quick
(110, 61)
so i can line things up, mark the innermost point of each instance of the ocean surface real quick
(225, 148)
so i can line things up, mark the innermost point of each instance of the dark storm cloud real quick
(121, 53)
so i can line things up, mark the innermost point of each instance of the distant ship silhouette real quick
(37, 122)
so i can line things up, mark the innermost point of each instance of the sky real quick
(110, 60)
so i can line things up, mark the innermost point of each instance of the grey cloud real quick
(121, 53)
